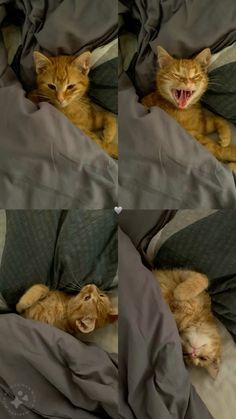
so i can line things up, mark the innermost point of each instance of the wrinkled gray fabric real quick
(161, 165)
(183, 28)
(63, 249)
(142, 225)
(45, 161)
(62, 377)
(153, 380)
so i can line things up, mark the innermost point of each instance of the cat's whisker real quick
(41, 95)
(45, 97)
(73, 285)
(214, 82)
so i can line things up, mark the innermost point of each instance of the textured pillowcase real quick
(103, 85)
(208, 246)
(63, 249)
(220, 97)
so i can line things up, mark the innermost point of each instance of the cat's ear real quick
(86, 324)
(204, 58)
(163, 57)
(41, 61)
(113, 315)
(213, 368)
(83, 62)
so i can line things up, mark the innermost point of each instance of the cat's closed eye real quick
(52, 86)
(87, 297)
(70, 86)
(197, 77)
(202, 358)
(102, 295)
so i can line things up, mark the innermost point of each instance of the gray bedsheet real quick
(45, 161)
(154, 382)
(60, 376)
(161, 165)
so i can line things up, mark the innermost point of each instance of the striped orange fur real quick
(84, 312)
(185, 292)
(180, 84)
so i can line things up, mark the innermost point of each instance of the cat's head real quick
(201, 347)
(182, 81)
(62, 79)
(90, 309)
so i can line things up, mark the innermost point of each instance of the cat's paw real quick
(112, 150)
(224, 135)
(181, 293)
(232, 166)
(225, 141)
(20, 307)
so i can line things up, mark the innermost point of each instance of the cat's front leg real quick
(34, 294)
(232, 166)
(216, 123)
(107, 122)
(111, 149)
(224, 154)
(33, 96)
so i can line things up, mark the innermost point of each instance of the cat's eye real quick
(202, 358)
(70, 86)
(102, 295)
(51, 86)
(87, 297)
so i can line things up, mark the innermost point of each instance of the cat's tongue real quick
(181, 97)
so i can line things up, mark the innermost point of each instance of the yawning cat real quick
(84, 312)
(190, 304)
(63, 81)
(180, 85)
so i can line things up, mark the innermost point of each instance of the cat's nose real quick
(193, 355)
(60, 98)
(189, 84)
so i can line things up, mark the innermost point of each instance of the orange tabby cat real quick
(180, 85)
(63, 81)
(84, 312)
(185, 293)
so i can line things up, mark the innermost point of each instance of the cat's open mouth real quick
(182, 96)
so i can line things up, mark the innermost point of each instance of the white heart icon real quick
(118, 210)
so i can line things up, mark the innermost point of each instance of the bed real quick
(161, 383)
(45, 371)
(47, 162)
(161, 165)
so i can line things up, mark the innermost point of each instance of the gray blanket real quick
(49, 374)
(161, 165)
(45, 161)
(154, 382)
(80, 381)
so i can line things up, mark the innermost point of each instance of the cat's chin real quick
(61, 105)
